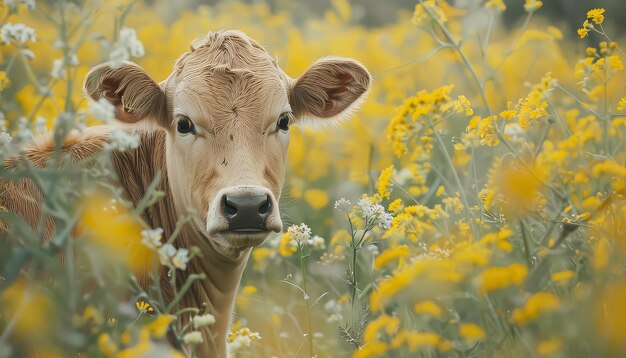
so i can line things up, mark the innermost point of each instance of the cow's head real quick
(227, 108)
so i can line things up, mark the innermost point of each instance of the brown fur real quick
(233, 92)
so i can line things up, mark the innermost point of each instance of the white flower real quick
(194, 337)
(515, 131)
(166, 252)
(121, 140)
(317, 242)
(385, 220)
(376, 213)
(366, 206)
(30, 4)
(299, 233)
(152, 238)
(58, 69)
(238, 344)
(118, 56)
(128, 38)
(403, 176)
(181, 259)
(126, 46)
(23, 129)
(18, 32)
(335, 317)
(334, 308)
(170, 257)
(102, 109)
(203, 321)
(58, 66)
(343, 205)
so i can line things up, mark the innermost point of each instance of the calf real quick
(219, 132)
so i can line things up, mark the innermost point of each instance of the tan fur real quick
(234, 92)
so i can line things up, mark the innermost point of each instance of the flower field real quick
(473, 207)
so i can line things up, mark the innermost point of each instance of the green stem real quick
(306, 300)
(190, 280)
(457, 179)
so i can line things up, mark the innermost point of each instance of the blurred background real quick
(555, 106)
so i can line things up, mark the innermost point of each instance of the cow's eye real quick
(283, 122)
(185, 125)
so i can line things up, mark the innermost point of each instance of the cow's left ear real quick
(130, 89)
(330, 90)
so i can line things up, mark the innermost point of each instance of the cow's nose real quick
(246, 213)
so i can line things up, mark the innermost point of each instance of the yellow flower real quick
(389, 255)
(582, 32)
(286, 246)
(106, 345)
(395, 206)
(373, 349)
(261, 256)
(143, 345)
(548, 347)
(495, 4)
(487, 196)
(158, 327)
(601, 255)
(428, 307)
(532, 5)
(443, 271)
(537, 304)
(622, 104)
(249, 289)
(415, 340)
(609, 314)
(615, 63)
(420, 15)
(444, 346)
(486, 128)
(4, 80)
(471, 332)
(30, 307)
(596, 15)
(562, 276)
(384, 182)
(316, 198)
(387, 323)
(518, 188)
(143, 307)
(463, 105)
(113, 228)
(496, 278)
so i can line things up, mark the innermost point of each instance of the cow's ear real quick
(128, 87)
(330, 90)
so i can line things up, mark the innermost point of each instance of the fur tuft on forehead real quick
(231, 48)
(228, 78)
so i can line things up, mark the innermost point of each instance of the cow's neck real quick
(216, 294)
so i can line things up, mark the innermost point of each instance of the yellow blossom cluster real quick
(498, 165)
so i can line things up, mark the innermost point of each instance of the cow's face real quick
(228, 109)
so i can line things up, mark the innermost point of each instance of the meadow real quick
(474, 207)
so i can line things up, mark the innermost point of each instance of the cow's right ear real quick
(128, 87)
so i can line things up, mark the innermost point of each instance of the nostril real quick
(264, 208)
(228, 207)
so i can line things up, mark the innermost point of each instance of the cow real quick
(217, 129)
